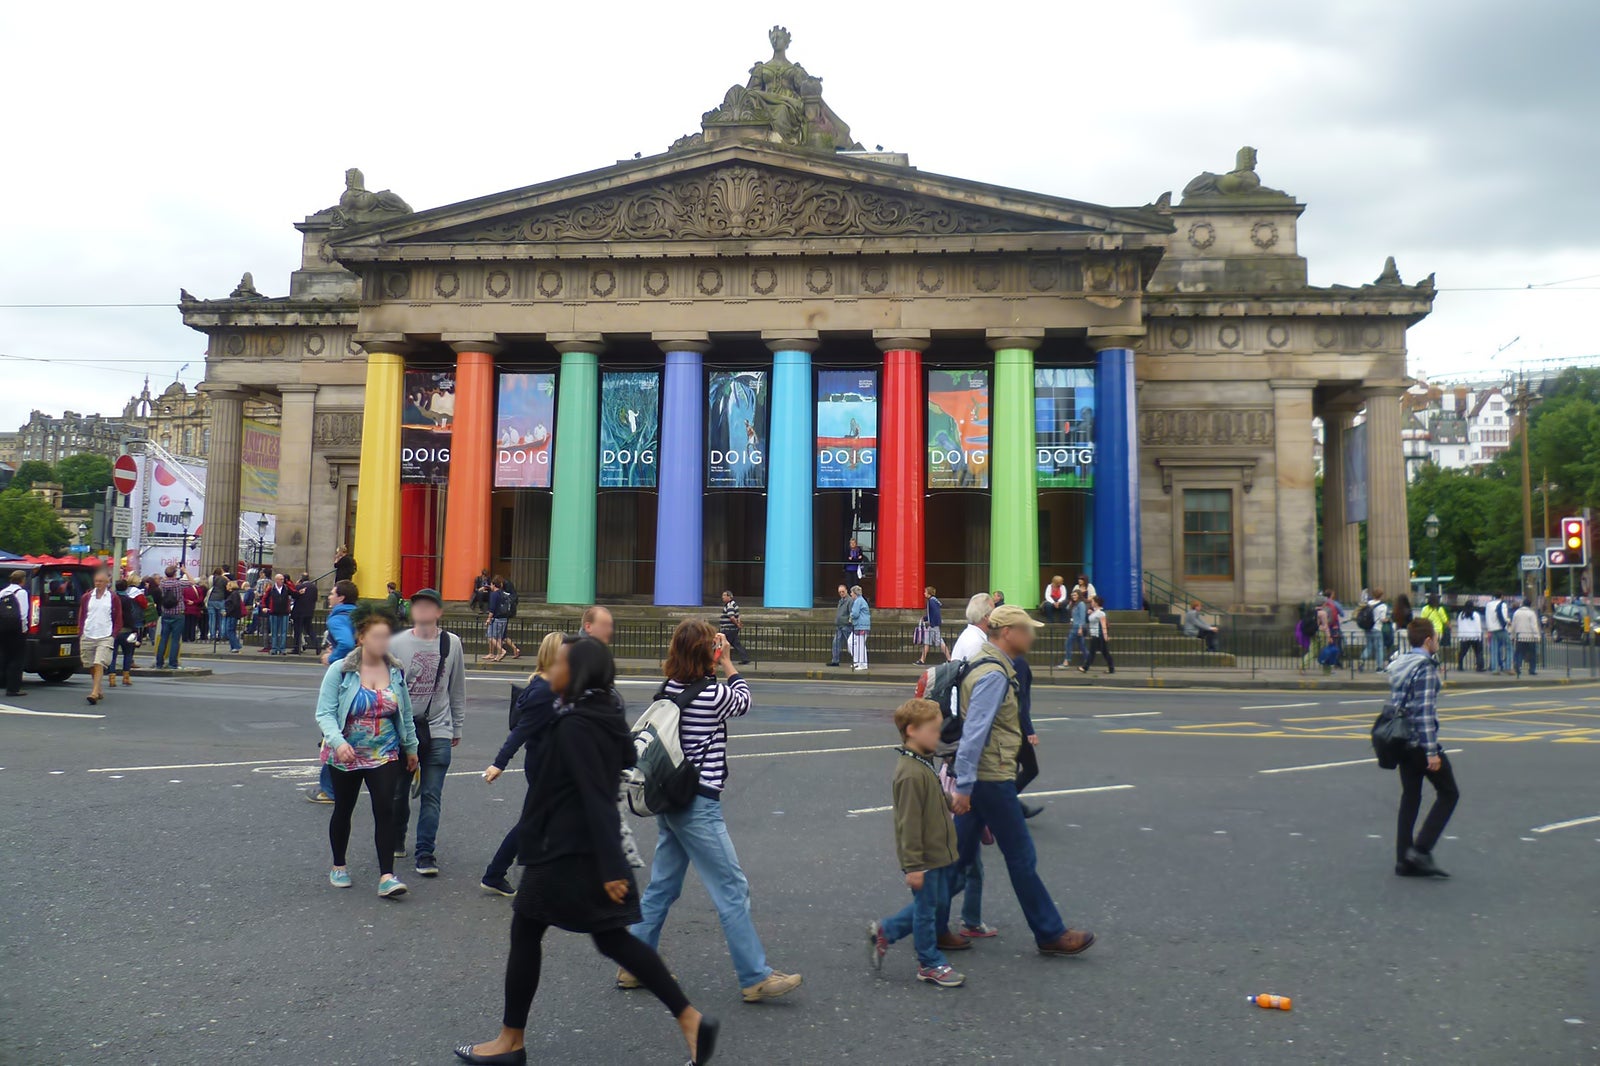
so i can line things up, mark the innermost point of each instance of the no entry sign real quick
(124, 474)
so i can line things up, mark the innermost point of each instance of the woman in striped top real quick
(697, 834)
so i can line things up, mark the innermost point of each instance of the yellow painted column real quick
(377, 546)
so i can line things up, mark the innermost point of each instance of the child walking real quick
(925, 838)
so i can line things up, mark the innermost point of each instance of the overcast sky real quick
(155, 146)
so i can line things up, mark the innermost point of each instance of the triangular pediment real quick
(746, 192)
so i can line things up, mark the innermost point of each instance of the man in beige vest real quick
(986, 777)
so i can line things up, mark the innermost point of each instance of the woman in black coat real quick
(577, 877)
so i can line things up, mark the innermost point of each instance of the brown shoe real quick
(777, 984)
(127, 679)
(952, 942)
(1071, 942)
(627, 982)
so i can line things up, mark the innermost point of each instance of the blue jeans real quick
(970, 885)
(230, 632)
(325, 780)
(698, 835)
(840, 635)
(1500, 650)
(278, 624)
(995, 804)
(435, 762)
(1075, 640)
(1376, 648)
(926, 916)
(126, 649)
(171, 637)
(214, 618)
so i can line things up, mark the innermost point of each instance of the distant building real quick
(51, 440)
(180, 421)
(1488, 427)
(10, 449)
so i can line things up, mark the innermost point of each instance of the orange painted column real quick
(469, 505)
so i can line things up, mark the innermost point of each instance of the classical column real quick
(1341, 538)
(680, 541)
(1013, 462)
(1388, 536)
(791, 453)
(219, 543)
(576, 479)
(292, 522)
(377, 546)
(469, 506)
(902, 465)
(1296, 488)
(1117, 569)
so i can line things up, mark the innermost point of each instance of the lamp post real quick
(261, 541)
(185, 516)
(83, 535)
(1430, 526)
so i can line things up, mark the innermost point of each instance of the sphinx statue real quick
(358, 204)
(1242, 180)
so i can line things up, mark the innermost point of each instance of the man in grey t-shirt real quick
(438, 687)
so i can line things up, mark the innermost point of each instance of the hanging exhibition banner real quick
(736, 444)
(630, 428)
(847, 429)
(958, 429)
(1354, 441)
(258, 467)
(430, 407)
(524, 428)
(1063, 427)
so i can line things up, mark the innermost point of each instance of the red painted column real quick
(902, 458)
(469, 505)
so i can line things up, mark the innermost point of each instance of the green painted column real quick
(577, 474)
(1013, 495)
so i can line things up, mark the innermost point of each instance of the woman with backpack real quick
(570, 840)
(697, 833)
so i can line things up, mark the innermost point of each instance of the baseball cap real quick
(1009, 615)
(427, 594)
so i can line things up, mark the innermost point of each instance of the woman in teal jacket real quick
(364, 712)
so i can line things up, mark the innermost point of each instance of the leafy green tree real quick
(84, 478)
(31, 472)
(28, 526)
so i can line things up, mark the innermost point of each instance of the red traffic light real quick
(1572, 532)
(1574, 548)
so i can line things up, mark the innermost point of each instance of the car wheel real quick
(55, 677)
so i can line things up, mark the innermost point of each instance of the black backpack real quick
(1365, 618)
(171, 600)
(512, 601)
(11, 624)
(942, 685)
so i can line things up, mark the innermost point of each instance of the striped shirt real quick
(703, 727)
(730, 615)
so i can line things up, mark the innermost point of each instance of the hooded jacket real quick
(341, 631)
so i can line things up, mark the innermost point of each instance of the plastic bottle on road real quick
(1270, 1002)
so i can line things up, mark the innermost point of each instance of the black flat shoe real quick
(1031, 811)
(518, 1057)
(1424, 864)
(705, 1040)
(1405, 869)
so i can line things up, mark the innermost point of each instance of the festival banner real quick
(958, 429)
(1063, 427)
(847, 429)
(630, 428)
(524, 430)
(430, 408)
(258, 467)
(167, 488)
(736, 444)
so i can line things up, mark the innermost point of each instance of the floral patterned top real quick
(371, 730)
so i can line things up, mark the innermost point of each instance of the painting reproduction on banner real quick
(524, 431)
(630, 428)
(736, 441)
(258, 467)
(430, 408)
(1063, 427)
(847, 429)
(958, 429)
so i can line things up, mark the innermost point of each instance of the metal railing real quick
(1158, 590)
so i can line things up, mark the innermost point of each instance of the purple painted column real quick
(680, 542)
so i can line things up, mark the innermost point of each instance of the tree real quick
(28, 526)
(84, 478)
(31, 472)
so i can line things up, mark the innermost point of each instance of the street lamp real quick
(261, 541)
(1430, 526)
(185, 516)
(83, 533)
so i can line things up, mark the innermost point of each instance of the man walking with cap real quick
(436, 675)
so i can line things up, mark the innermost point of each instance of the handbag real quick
(919, 635)
(1391, 736)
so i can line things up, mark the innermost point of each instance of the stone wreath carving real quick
(986, 277)
(764, 280)
(396, 285)
(708, 281)
(497, 284)
(743, 201)
(874, 279)
(1189, 428)
(1202, 235)
(930, 279)
(655, 281)
(447, 284)
(315, 343)
(274, 344)
(603, 283)
(819, 279)
(1264, 234)
(549, 284)
(235, 344)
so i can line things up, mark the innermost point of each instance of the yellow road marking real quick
(1219, 725)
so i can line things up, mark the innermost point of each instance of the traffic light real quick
(1575, 541)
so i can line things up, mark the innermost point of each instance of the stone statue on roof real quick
(1241, 181)
(358, 204)
(780, 101)
(246, 289)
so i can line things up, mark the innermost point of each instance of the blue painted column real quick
(1117, 564)
(791, 453)
(680, 541)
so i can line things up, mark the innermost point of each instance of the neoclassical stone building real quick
(714, 366)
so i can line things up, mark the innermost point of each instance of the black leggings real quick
(618, 945)
(381, 784)
(1027, 764)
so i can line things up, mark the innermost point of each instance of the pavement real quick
(165, 897)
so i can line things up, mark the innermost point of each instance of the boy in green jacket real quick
(925, 838)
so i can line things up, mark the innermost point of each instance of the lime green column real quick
(577, 473)
(1013, 496)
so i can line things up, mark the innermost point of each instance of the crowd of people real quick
(1501, 634)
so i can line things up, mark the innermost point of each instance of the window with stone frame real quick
(1208, 533)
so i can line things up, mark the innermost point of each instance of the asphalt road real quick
(163, 896)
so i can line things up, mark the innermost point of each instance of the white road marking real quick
(1031, 795)
(1129, 714)
(1278, 706)
(1329, 765)
(195, 765)
(6, 708)
(809, 751)
(1528, 840)
(793, 733)
(1375, 700)
(57, 773)
(1553, 826)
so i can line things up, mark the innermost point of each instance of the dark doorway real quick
(625, 546)
(837, 516)
(735, 530)
(521, 542)
(1063, 525)
(956, 540)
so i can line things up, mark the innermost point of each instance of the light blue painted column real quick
(680, 542)
(791, 455)
(1117, 564)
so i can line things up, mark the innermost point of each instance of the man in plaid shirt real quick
(1414, 688)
